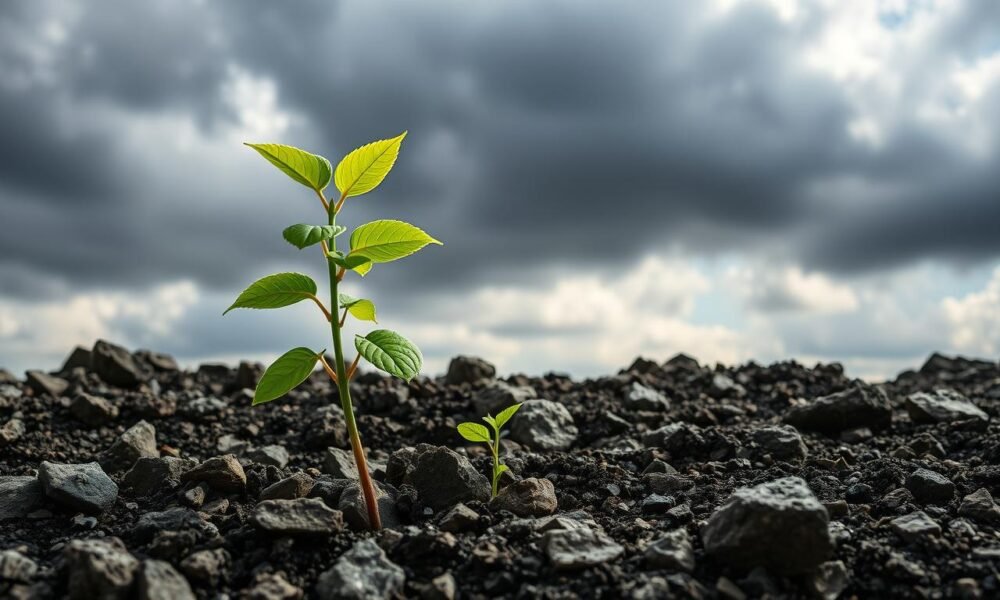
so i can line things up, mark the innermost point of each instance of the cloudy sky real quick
(734, 179)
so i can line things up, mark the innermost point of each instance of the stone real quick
(45, 384)
(223, 473)
(943, 406)
(657, 503)
(149, 475)
(340, 464)
(80, 357)
(11, 431)
(543, 425)
(15, 566)
(329, 490)
(174, 519)
(672, 551)
(498, 395)
(859, 406)
(979, 505)
(19, 495)
(929, 487)
(778, 525)
(301, 516)
(459, 519)
(640, 397)
(782, 442)
(571, 549)
(115, 365)
(205, 408)
(915, 526)
(206, 566)
(442, 587)
(443, 478)
(468, 369)
(352, 504)
(723, 386)
(99, 569)
(158, 361)
(830, 580)
(327, 427)
(361, 573)
(158, 580)
(247, 375)
(85, 487)
(273, 455)
(297, 485)
(272, 586)
(529, 497)
(674, 437)
(138, 441)
(92, 410)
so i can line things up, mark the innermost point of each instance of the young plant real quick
(474, 432)
(381, 241)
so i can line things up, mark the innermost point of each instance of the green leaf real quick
(363, 169)
(506, 414)
(388, 240)
(390, 352)
(302, 236)
(285, 374)
(361, 309)
(474, 432)
(364, 267)
(276, 291)
(500, 470)
(310, 170)
(492, 423)
(354, 262)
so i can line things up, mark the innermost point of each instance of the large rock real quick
(15, 566)
(80, 357)
(468, 369)
(297, 485)
(92, 410)
(672, 551)
(43, 383)
(352, 504)
(149, 475)
(543, 425)
(528, 498)
(302, 516)
(115, 365)
(361, 573)
(340, 464)
(640, 397)
(782, 442)
(579, 548)
(943, 406)
(138, 441)
(158, 580)
(174, 519)
(11, 431)
(498, 395)
(929, 487)
(443, 478)
(779, 525)
(915, 526)
(979, 505)
(223, 473)
(859, 406)
(100, 569)
(83, 487)
(19, 495)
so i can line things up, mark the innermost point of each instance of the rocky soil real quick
(122, 476)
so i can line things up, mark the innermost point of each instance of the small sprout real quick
(474, 432)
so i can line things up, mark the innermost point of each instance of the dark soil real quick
(858, 470)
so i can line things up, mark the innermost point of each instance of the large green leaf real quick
(363, 169)
(388, 240)
(302, 236)
(311, 170)
(276, 291)
(361, 309)
(285, 374)
(474, 432)
(390, 352)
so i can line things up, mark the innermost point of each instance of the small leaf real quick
(276, 291)
(506, 414)
(302, 236)
(361, 309)
(492, 422)
(390, 352)
(363, 169)
(310, 170)
(387, 240)
(353, 263)
(474, 432)
(500, 470)
(364, 267)
(285, 374)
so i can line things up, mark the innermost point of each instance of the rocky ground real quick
(122, 476)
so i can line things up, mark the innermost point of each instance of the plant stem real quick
(344, 386)
(496, 463)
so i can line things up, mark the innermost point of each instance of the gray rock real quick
(915, 526)
(83, 487)
(80, 357)
(158, 361)
(92, 410)
(223, 473)
(329, 490)
(640, 397)
(672, 551)
(830, 580)
(352, 504)
(570, 549)
(468, 369)
(543, 425)
(247, 375)
(272, 586)
(943, 406)
(340, 464)
(979, 505)
(15, 566)
(272, 455)
(100, 569)
(442, 587)
(361, 573)
(158, 580)
(174, 519)
(206, 408)
(206, 566)
(327, 427)
(11, 431)
(45, 384)
(115, 365)
(138, 441)
(674, 437)
(498, 395)
(859, 406)
(459, 519)
(230, 444)
(779, 525)
(782, 442)
(149, 475)
(530, 497)
(723, 386)
(297, 485)
(929, 487)
(19, 495)
(302, 516)
(443, 478)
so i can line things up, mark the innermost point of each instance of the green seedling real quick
(382, 241)
(474, 432)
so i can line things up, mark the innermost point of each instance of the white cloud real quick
(790, 289)
(975, 319)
